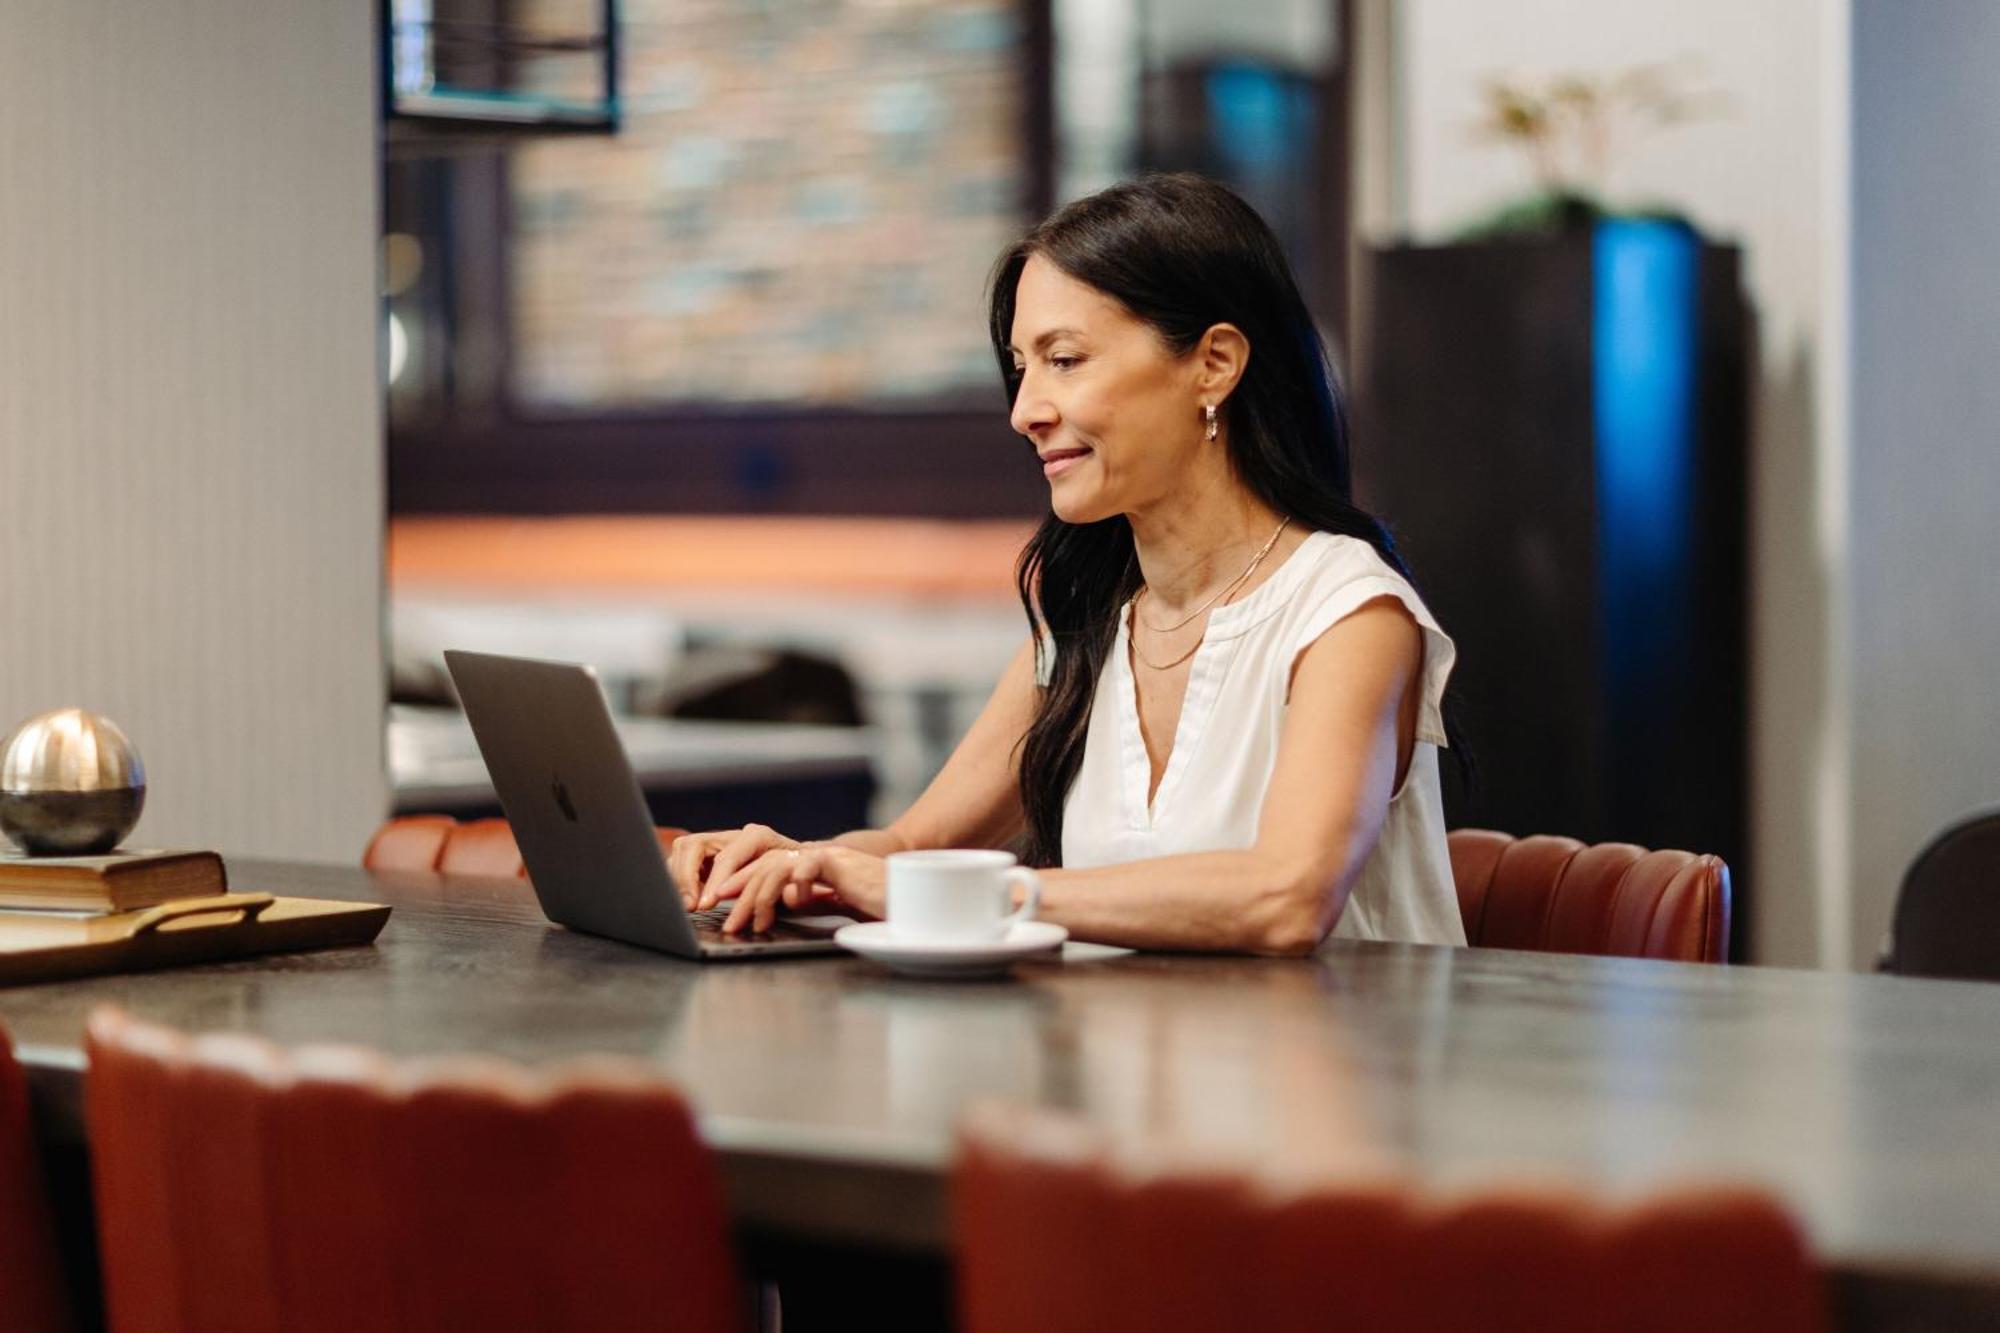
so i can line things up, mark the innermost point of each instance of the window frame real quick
(460, 442)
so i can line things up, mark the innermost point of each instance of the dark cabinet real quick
(1556, 430)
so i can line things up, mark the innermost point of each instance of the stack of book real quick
(73, 916)
(113, 882)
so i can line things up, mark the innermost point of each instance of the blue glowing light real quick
(1261, 117)
(1644, 332)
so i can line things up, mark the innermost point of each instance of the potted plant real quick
(1568, 127)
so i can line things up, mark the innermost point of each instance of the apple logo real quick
(563, 802)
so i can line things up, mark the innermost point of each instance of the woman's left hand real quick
(798, 877)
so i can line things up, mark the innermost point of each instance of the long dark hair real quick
(1183, 254)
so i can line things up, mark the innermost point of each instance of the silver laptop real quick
(586, 835)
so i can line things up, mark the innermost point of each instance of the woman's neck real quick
(1195, 543)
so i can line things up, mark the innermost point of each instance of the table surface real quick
(830, 1087)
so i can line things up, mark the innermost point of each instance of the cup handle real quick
(1029, 902)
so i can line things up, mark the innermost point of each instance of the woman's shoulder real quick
(1336, 566)
(1338, 556)
(1326, 577)
(1347, 573)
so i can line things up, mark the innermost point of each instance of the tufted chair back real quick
(1563, 896)
(1056, 1232)
(32, 1295)
(242, 1188)
(442, 844)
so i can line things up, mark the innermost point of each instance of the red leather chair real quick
(1054, 1235)
(1561, 896)
(414, 842)
(33, 1298)
(440, 843)
(241, 1187)
(482, 847)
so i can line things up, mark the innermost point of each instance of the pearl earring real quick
(1208, 411)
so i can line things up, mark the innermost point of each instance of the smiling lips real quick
(1058, 461)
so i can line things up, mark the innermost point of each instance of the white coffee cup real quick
(957, 897)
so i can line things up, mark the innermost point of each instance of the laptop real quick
(585, 833)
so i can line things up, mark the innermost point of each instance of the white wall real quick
(191, 495)
(1925, 413)
(1761, 175)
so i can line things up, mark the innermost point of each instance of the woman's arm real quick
(1347, 740)
(973, 802)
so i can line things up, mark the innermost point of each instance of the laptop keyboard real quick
(709, 922)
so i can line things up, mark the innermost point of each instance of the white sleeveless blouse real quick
(1227, 744)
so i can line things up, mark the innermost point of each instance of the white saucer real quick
(952, 958)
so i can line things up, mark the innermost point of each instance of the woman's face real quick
(1115, 415)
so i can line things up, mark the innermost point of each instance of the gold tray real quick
(36, 947)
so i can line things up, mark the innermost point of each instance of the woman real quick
(1223, 734)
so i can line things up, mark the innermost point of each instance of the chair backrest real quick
(33, 1298)
(413, 842)
(1054, 1235)
(1563, 896)
(240, 1187)
(1947, 921)
(482, 847)
(441, 843)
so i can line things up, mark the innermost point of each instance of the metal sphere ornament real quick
(70, 784)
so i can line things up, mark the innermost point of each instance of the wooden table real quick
(1871, 1104)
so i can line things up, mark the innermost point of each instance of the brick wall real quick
(802, 208)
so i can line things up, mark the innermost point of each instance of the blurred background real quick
(651, 334)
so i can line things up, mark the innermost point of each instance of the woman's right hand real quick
(703, 862)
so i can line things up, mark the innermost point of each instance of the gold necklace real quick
(1230, 586)
(1140, 657)
(1137, 620)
